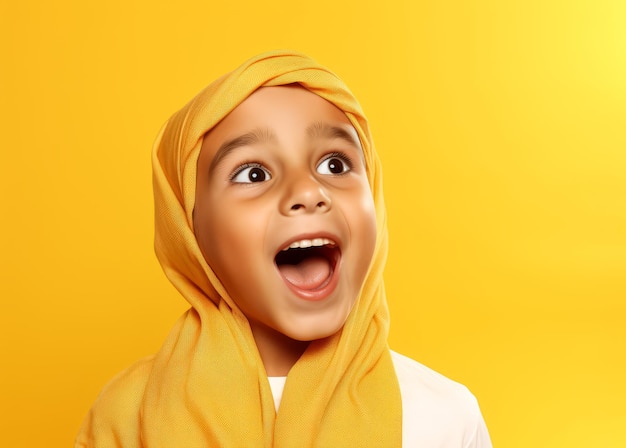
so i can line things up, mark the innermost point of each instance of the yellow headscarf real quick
(207, 386)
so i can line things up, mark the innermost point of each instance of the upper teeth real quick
(303, 244)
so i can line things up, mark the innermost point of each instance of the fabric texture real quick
(436, 411)
(207, 385)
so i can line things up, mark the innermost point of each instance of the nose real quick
(305, 195)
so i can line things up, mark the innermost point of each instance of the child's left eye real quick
(333, 165)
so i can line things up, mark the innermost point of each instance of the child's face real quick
(285, 168)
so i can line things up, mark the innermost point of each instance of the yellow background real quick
(502, 128)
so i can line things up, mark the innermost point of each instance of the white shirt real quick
(436, 411)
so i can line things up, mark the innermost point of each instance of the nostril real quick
(296, 206)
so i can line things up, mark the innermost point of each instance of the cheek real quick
(227, 248)
(216, 237)
(369, 238)
(367, 221)
(360, 213)
(235, 247)
(369, 228)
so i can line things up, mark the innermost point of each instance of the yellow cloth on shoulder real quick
(207, 386)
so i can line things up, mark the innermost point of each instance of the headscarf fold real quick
(207, 386)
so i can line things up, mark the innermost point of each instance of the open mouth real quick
(308, 265)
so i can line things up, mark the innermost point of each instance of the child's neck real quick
(278, 352)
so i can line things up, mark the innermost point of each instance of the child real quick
(270, 222)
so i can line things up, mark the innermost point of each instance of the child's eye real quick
(334, 164)
(249, 173)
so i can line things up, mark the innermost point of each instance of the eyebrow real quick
(320, 129)
(256, 136)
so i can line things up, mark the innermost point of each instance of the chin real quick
(312, 331)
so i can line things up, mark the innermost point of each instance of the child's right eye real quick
(249, 173)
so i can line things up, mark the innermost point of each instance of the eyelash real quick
(339, 155)
(242, 167)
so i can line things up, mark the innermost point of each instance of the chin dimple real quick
(315, 242)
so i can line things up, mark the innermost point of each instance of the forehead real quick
(284, 110)
(281, 102)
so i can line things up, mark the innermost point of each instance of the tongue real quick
(310, 273)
